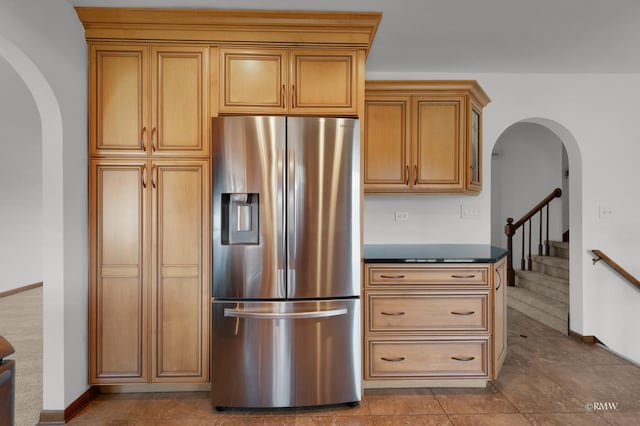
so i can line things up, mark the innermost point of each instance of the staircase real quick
(543, 292)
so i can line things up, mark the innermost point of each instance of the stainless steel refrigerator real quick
(286, 262)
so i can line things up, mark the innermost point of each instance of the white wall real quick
(596, 119)
(526, 166)
(44, 42)
(20, 183)
(594, 113)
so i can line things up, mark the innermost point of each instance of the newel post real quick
(509, 230)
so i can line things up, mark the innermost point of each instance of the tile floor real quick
(547, 379)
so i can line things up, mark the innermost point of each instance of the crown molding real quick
(339, 29)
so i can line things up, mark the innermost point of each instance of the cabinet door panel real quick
(118, 110)
(180, 83)
(181, 297)
(438, 152)
(253, 81)
(386, 147)
(324, 81)
(117, 280)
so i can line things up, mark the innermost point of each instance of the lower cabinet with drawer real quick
(432, 325)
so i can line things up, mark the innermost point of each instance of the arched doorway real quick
(52, 220)
(530, 159)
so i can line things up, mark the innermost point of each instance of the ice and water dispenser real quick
(240, 219)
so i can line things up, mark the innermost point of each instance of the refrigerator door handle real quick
(282, 220)
(291, 210)
(234, 313)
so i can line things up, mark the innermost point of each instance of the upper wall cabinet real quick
(423, 136)
(289, 81)
(301, 63)
(148, 99)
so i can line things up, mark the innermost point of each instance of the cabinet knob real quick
(462, 313)
(392, 276)
(463, 276)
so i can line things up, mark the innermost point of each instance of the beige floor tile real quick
(621, 417)
(529, 390)
(489, 420)
(473, 400)
(422, 420)
(566, 419)
(403, 404)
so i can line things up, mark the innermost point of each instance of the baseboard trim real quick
(590, 340)
(20, 289)
(156, 387)
(57, 417)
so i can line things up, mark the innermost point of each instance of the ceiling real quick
(475, 36)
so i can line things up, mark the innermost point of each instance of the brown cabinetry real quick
(430, 325)
(423, 136)
(149, 270)
(148, 99)
(156, 77)
(289, 81)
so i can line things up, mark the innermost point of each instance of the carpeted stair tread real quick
(546, 285)
(539, 307)
(551, 265)
(559, 249)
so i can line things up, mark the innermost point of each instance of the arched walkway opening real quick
(52, 220)
(529, 160)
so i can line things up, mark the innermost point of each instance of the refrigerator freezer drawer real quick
(285, 354)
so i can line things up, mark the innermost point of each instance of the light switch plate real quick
(469, 211)
(605, 212)
(401, 216)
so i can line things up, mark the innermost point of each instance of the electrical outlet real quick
(469, 211)
(401, 216)
(605, 212)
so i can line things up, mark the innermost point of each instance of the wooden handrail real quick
(511, 228)
(619, 269)
(557, 193)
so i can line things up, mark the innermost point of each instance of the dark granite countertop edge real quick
(432, 253)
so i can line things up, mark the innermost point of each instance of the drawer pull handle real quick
(391, 276)
(463, 313)
(463, 276)
(396, 359)
(463, 358)
(393, 314)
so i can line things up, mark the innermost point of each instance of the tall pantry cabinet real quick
(149, 213)
(156, 77)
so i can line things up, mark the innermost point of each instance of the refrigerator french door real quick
(286, 261)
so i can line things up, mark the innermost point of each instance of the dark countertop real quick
(432, 253)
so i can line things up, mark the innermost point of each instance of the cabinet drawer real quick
(381, 275)
(427, 359)
(427, 312)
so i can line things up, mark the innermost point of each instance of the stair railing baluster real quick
(511, 228)
(529, 257)
(523, 265)
(546, 244)
(510, 231)
(540, 234)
